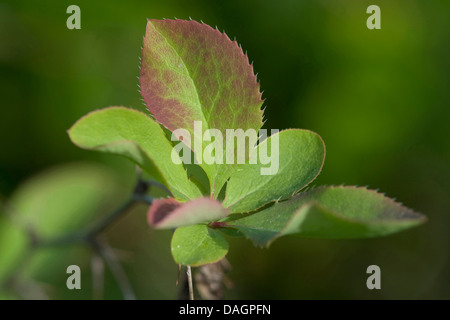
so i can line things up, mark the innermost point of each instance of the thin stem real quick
(113, 217)
(90, 237)
(191, 287)
(108, 255)
(110, 219)
(178, 275)
(99, 227)
(152, 183)
(98, 275)
(183, 284)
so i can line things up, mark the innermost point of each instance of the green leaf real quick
(14, 243)
(192, 72)
(198, 245)
(48, 264)
(133, 134)
(329, 212)
(169, 213)
(65, 199)
(301, 157)
(6, 295)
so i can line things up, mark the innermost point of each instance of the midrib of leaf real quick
(264, 184)
(283, 215)
(200, 104)
(206, 105)
(205, 236)
(135, 134)
(218, 93)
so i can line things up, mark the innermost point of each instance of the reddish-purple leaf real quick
(192, 72)
(169, 213)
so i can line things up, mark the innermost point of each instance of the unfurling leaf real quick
(329, 212)
(192, 72)
(198, 245)
(169, 213)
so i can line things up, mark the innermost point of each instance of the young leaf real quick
(192, 72)
(301, 156)
(169, 213)
(14, 243)
(64, 199)
(133, 134)
(329, 212)
(44, 263)
(198, 245)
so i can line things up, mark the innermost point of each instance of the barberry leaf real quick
(192, 72)
(198, 245)
(60, 202)
(329, 212)
(136, 136)
(169, 213)
(14, 243)
(301, 155)
(65, 199)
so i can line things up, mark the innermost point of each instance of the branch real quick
(139, 196)
(108, 255)
(91, 237)
(191, 287)
(98, 275)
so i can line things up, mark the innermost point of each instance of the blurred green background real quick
(379, 98)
